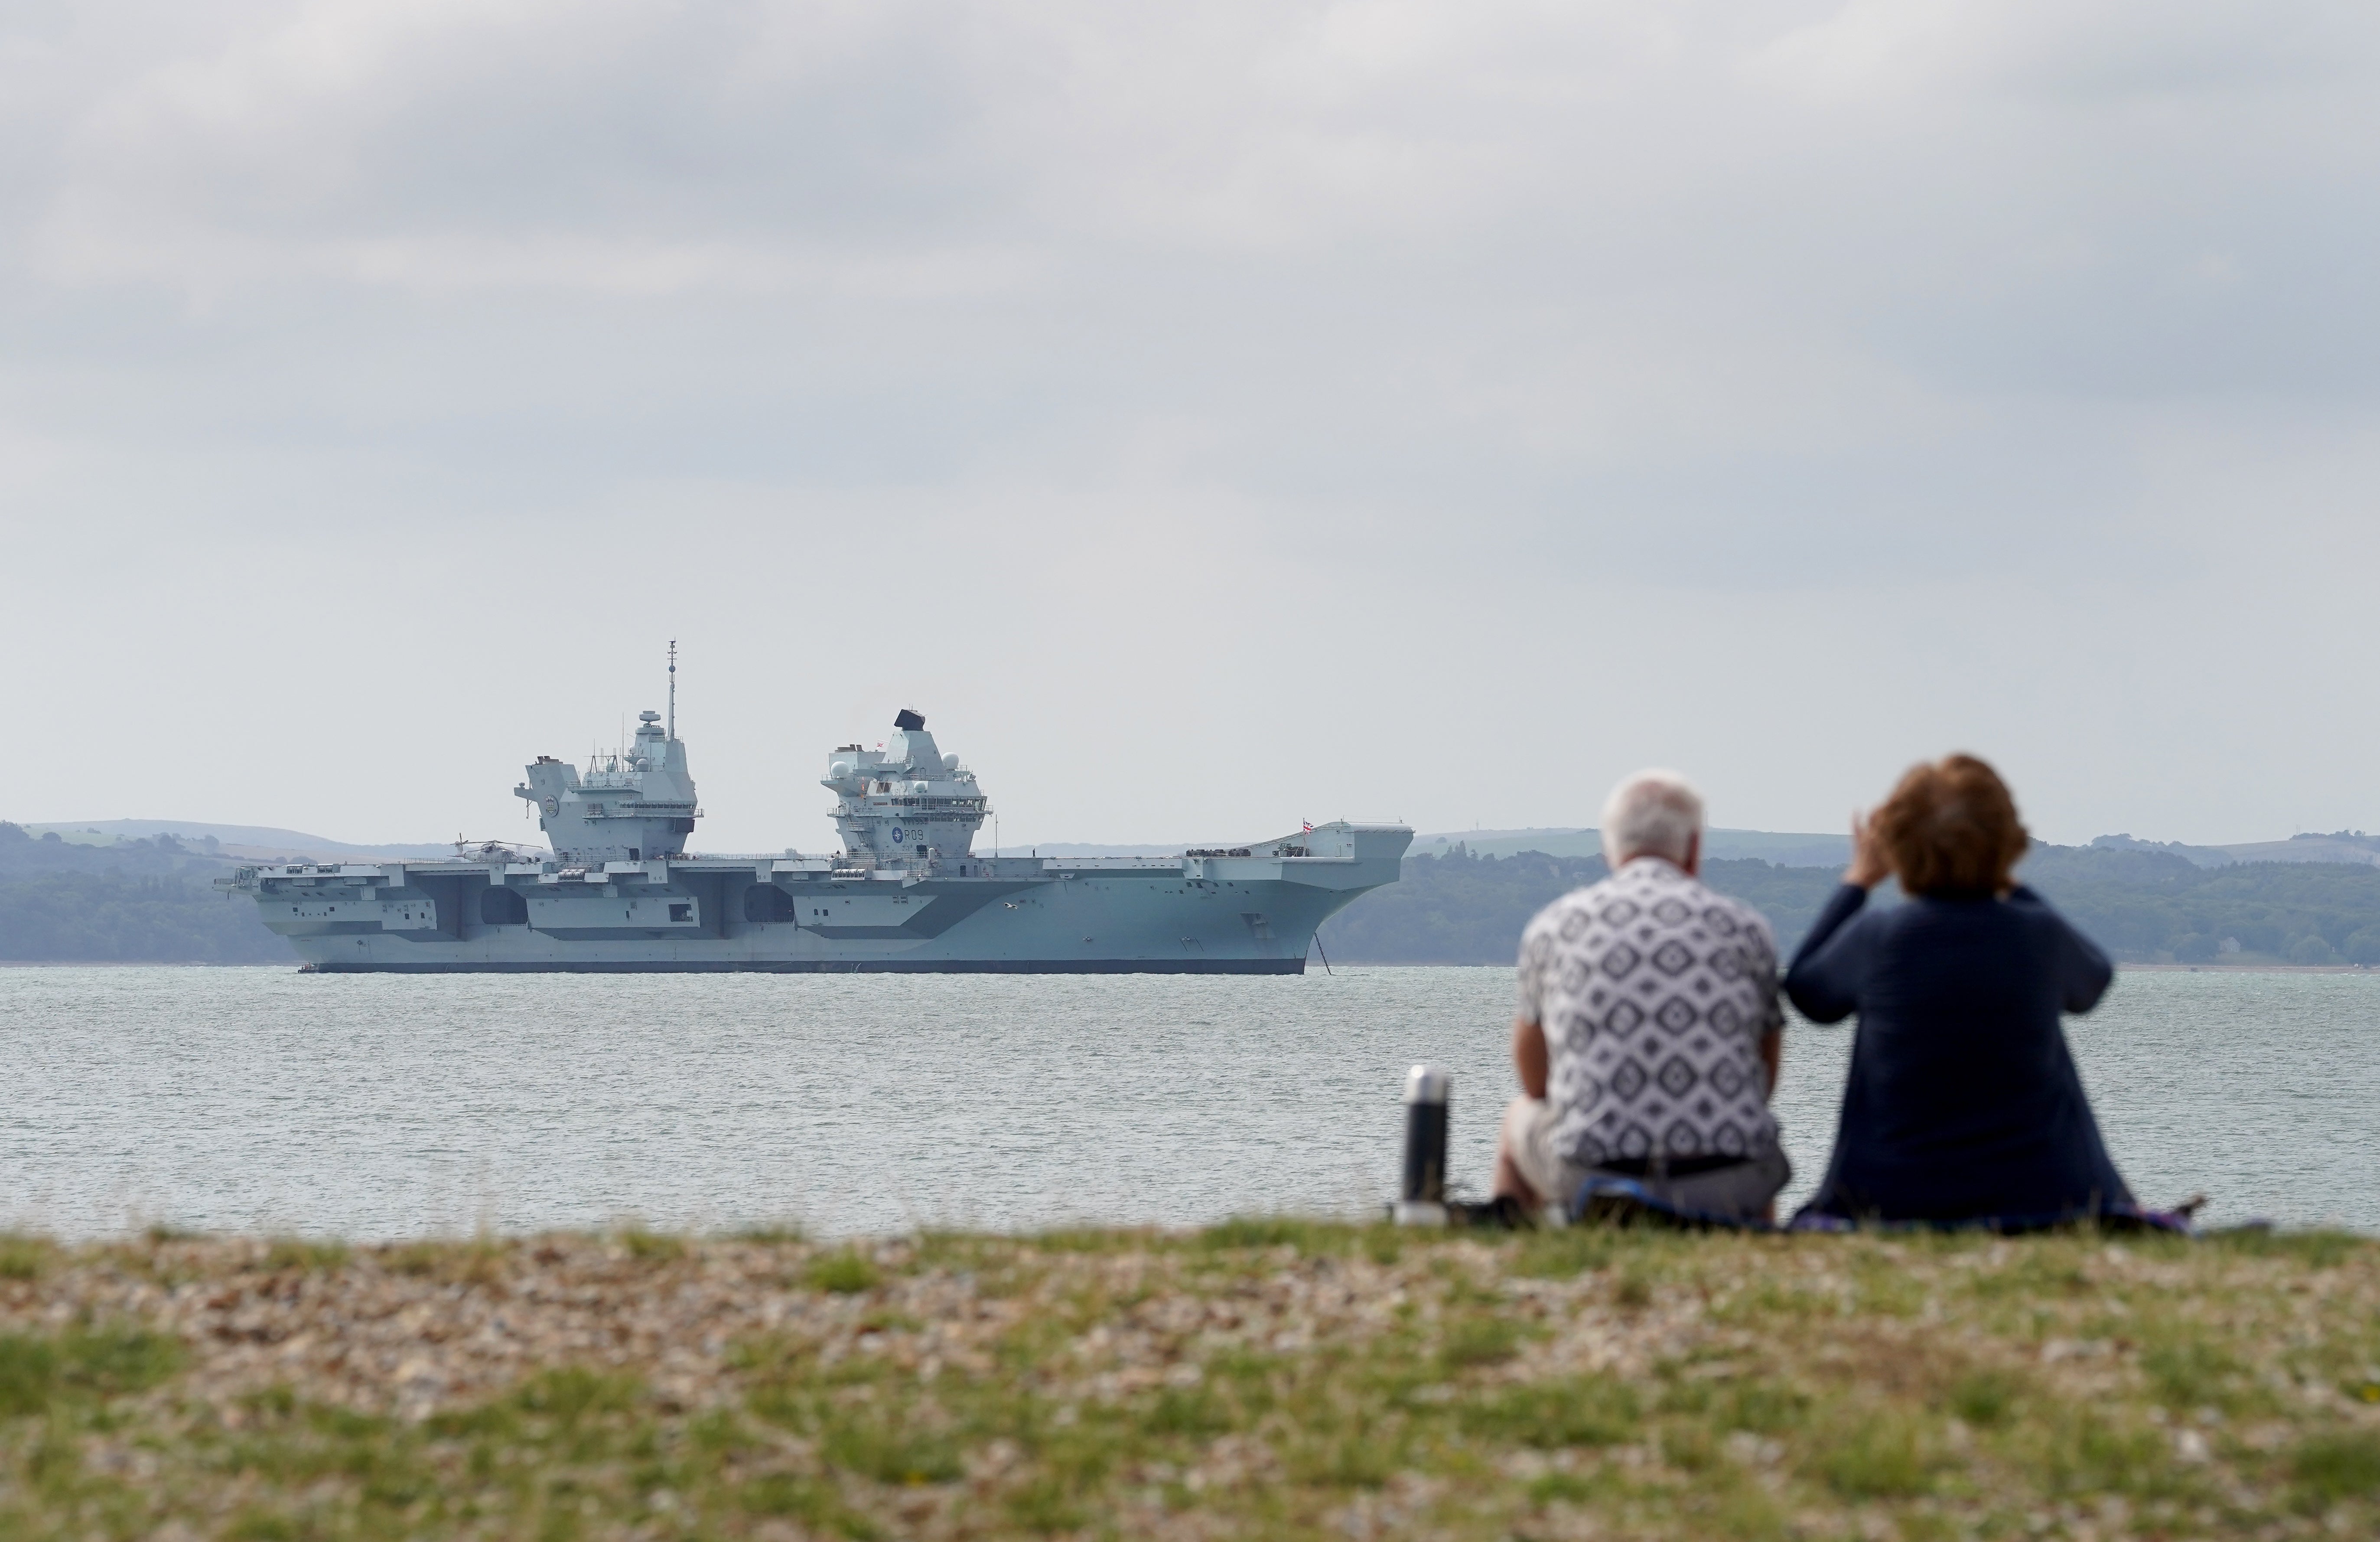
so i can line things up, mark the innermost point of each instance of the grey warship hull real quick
(618, 893)
(1252, 915)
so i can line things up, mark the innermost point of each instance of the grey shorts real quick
(1743, 1191)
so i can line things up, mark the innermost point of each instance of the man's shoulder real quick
(1566, 914)
(1636, 892)
(1700, 906)
(1735, 912)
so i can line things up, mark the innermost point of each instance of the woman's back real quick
(1963, 1103)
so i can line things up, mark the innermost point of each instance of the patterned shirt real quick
(1654, 993)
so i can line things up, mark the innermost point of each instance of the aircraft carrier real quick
(618, 893)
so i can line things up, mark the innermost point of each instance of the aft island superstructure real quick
(617, 891)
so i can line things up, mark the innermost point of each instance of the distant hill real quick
(2351, 846)
(2162, 907)
(248, 842)
(1787, 850)
(1462, 909)
(1783, 849)
(2356, 848)
(132, 901)
(2143, 905)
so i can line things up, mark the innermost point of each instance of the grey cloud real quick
(1309, 377)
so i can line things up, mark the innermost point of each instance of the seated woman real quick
(1963, 1103)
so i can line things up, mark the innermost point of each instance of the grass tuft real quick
(1562, 1489)
(1313, 1237)
(652, 1248)
(29, 1374)
(771, 1234)
(1985, 1398)
(82, 1363)
(1580, 1410)
(1563, 1254)
(1880, 1456)
(573, 1394)
(1479, 1341)
(478, 1262)
(889, 1451)
(1195, 1411)
(302, 1257)
(2189, 1373)
(1763, 1407)
(24, 1257)
(2315, 1249)
(810, 1500)
(2336, 1465)
(1046, 1504)
(846, 1271)
(2091, 1451)
(1093, 1239)
(115, 1360)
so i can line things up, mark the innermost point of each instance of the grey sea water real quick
(380, 1106)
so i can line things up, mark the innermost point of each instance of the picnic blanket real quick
(1624, 1202)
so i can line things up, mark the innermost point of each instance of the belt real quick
(1673, 1167)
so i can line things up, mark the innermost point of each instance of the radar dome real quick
(950, 762)
(838, 768)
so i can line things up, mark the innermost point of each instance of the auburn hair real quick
(1950, 828)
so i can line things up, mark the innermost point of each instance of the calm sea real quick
(378, 1106)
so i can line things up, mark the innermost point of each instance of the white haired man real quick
(1649, 1033)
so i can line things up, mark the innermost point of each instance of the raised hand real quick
(1870, 865)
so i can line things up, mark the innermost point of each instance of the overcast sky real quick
(1210, 416)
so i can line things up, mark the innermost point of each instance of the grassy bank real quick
(1259, 1380)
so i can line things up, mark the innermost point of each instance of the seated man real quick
(1649, 1033)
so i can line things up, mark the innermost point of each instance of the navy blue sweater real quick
(1963, 1103)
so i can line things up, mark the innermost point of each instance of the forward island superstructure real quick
(617, 891)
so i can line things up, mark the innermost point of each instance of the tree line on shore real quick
(2143, 906)
(129, 919)
(152, 901)
(130, 902)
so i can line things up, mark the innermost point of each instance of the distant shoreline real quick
(140, 963)
(2252, 968)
